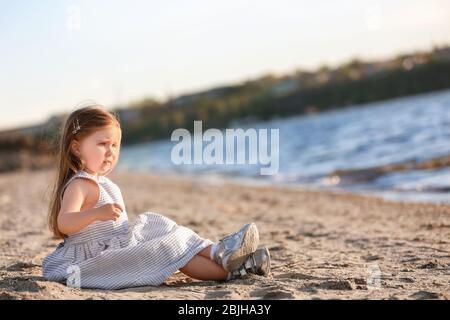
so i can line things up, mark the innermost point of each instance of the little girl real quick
(100, 249)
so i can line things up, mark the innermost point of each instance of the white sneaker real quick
(257, 263)
(234, 248)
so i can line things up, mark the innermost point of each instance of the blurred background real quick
(360, 90)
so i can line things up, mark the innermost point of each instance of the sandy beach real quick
(323, 245)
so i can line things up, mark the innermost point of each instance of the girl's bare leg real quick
(203, 268)
(205, 252)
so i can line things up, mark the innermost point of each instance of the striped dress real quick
(114, 254)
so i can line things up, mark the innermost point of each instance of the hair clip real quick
(76, 126)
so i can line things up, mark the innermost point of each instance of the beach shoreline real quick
(324, 245)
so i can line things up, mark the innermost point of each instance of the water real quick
(362, 136)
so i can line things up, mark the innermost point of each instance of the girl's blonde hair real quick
(79, 124)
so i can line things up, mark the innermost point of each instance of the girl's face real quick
(99, 150)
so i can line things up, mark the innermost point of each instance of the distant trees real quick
(301, 92)
(352, 83)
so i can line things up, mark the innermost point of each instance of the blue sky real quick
(56, 53)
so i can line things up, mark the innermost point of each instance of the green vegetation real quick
(257, 100)
(302, 92)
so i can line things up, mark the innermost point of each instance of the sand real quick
(324, 245)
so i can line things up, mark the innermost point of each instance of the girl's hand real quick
(110, 211)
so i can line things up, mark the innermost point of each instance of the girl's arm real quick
(81, 191)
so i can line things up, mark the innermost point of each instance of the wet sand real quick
(324, 245)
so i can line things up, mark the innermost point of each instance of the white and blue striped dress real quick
(114, 255)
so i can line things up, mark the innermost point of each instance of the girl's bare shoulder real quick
(88, 188)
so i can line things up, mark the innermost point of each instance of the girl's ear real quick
(75, 147)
